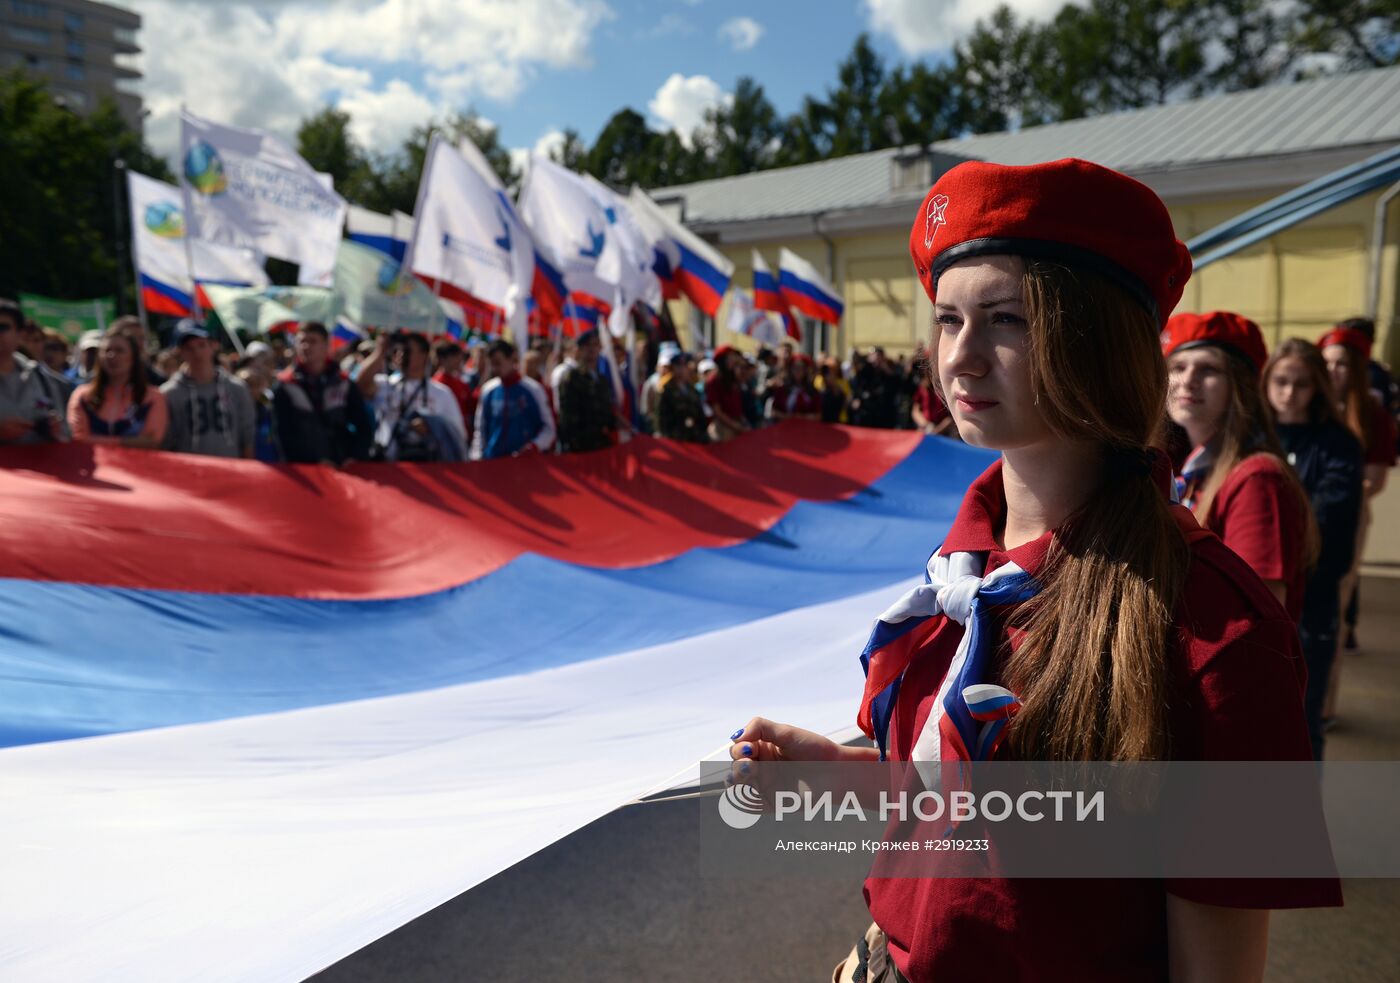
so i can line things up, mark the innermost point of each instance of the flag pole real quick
(195, 311)
(406, 268)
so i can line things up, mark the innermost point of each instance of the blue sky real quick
(531, 66)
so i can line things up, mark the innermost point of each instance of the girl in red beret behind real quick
(1116, 629)
(1235, 479)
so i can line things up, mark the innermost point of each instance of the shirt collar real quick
(982, 513)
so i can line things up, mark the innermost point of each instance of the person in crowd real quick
(31, 340)
(767, 369)
(1347, 351)
(587, 421)
(624, 393)
(1050, 284)
(210, 411)
(449, 357)
(749, 393)
(419, 419)
(259, 382)
(533, 366)
(835, 392)
(85, 362)
(319, 416)
(1327, 459)
(167, 361)
(1235, 480)
(55, 351)
(136, 329)
(1380, 379)
(571, 361)
(119, 405)
(874, 392)
(796, 397)
(33, 399)
(651, 389)
(513, 415)
(261, 354)
(680, 412)
(724, 396)
(929, 412)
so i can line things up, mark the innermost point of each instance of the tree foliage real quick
(58, 193)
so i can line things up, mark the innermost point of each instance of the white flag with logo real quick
(569, 226)
(248, 188)
(158, 244)
(629, 263)
(468, 243)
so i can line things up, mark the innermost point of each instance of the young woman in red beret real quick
(1050, 285)
(1347, 352)
(795, 397)
(1235, 479)
(1326, 456)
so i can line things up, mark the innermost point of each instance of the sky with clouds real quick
(533, 67)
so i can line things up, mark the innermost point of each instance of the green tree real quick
(991, 69)
(743, 135)
(324, 139)
(854, 110)
(625, 151)
(571, 153)
(58, 194)
(1366, 33)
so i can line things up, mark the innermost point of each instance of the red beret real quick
(1068, 211)
(1349, 337)
(722, 351)
(1237, 335)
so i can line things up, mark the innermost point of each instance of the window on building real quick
(30, 35)
(71, 98)
(124, 35)
(35, 62)
(74, 48)
(30, 9)
(75, 71)
(131, 87)
(72, 21)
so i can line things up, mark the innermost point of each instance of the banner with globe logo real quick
(250, 189)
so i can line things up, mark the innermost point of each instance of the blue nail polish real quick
(746, 750)
(737, 734)
(744, 768)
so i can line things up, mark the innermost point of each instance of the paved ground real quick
(624, 898)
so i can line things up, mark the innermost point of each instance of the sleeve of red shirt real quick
(1257, 517)
(1380, 449)
(1243, 701)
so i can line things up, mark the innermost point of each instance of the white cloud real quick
(268, 65)
(742, 33)
(386, 118)
(920, 27)
(549, 142)
(681, 102)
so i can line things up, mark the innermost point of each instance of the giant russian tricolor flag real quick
(255, 717)
(806, 289)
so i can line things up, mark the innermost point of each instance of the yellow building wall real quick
(1297, 283)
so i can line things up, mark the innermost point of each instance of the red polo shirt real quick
(1236, 678)
(1263, 521)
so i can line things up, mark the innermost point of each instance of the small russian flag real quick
(345, 333)
(162, 298)
(806, 289)
(767, 296)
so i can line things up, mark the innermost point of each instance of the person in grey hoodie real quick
(211, 412)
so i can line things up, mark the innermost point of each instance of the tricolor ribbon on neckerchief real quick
(1194, 471)
(969, 715)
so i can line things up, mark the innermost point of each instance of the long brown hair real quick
(101, 381)
(1091, 669)
(1356, 402)
(1322, 408)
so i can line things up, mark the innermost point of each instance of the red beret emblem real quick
(937, 205)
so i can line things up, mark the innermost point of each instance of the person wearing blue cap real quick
(211, 412)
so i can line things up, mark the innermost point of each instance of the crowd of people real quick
(404, 397)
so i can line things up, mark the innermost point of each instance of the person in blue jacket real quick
(512, 415)
(1328, 460)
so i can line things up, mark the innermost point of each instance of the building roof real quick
(1355, 111)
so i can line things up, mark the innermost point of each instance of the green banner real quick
(69, 317)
